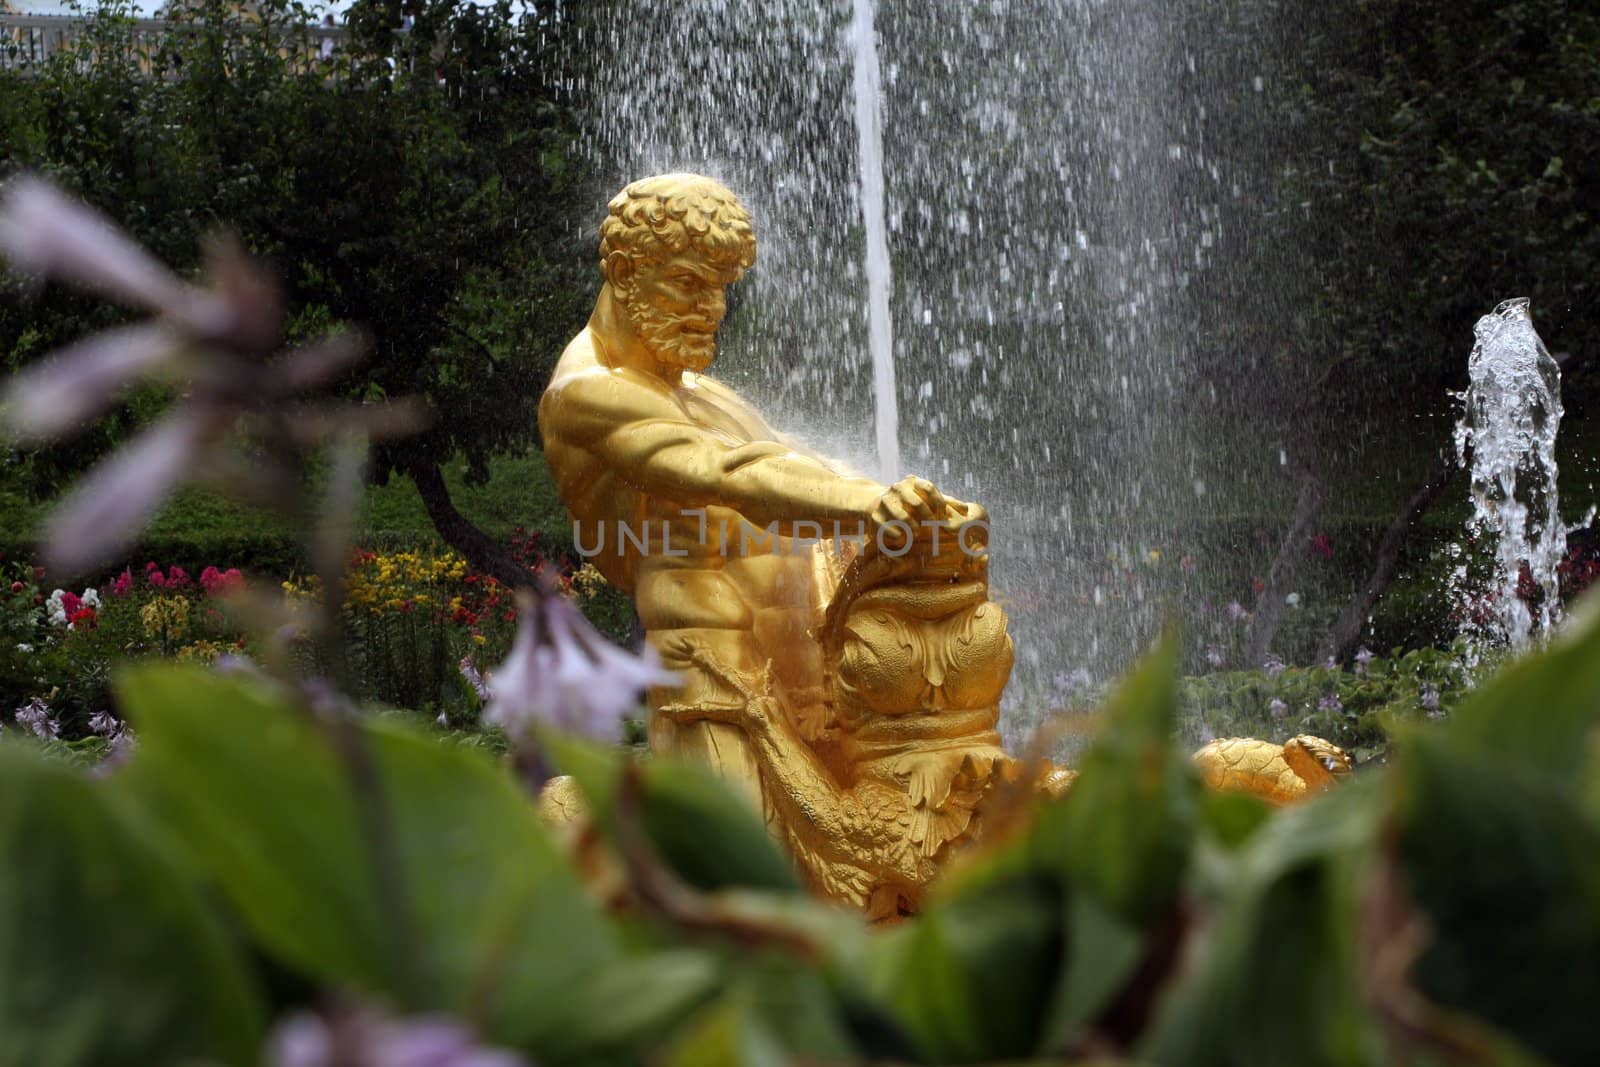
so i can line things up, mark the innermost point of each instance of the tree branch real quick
(486, 555)
(1348, 628)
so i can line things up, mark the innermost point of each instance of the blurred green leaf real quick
(1233, 818)
(109, 953)
(711, 835)
(1102, 952)
(728, 1035)
(1536, 714)
(972, 976)
(497, 926)
(1124, 830)
(634, 1004)
(1507, 873)
(1275, 981)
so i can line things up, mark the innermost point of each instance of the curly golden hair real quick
(654, 218)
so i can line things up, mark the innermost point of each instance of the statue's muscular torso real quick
(676, 464)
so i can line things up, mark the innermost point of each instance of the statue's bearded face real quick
(675, 307)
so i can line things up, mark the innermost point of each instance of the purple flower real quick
(1330, 703)
(1274, 665)
(1237, 612)
(562, 672)
(1278, 708)
(1430, 697)
(104, 723)
(361, 1037)
(123, 742)
(48, 233)
(469, 671)
(52, 398)
(1214, 656)
(122, 493)
(35, 716)
(211, 341)
(1363, 659)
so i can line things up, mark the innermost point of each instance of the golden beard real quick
(665, 337)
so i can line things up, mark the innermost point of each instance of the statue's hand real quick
(903, 507)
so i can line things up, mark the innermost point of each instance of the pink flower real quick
(157, 579)
(177, 578)
(124, 583)
(219, 583)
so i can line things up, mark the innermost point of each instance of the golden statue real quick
(1278, 774)
(839, 654)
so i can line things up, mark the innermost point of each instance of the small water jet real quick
(1507, 434)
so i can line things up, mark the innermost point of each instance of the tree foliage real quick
(416, 184)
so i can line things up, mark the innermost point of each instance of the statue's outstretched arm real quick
(650, 441)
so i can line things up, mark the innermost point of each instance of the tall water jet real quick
(1093, 258)
(867, 83)
(1507, 432)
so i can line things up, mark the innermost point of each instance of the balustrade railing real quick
(29, 41)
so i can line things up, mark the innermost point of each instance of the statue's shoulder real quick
(582, 388)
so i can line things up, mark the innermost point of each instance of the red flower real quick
(82, 619)
(1321, 546)
(17, 587)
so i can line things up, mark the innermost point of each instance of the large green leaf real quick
(709, 834)
(109, 953)
(972, 976)
(1276, 979)
(1537, 714)
(470, 907)
(1507, 873)
(1102, 954)
(713, 837)
(634, 1003)
(1124, 831)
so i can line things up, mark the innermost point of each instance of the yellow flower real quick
(166, 616)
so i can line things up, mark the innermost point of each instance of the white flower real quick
(24, 648)
(91, 598)
(562, 672)
(1293, 600)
